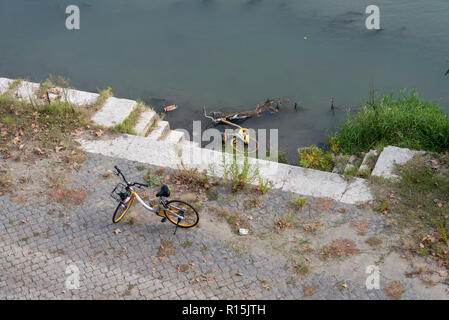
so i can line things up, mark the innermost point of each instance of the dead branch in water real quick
(271, 105)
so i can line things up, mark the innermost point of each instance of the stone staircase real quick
(156, 144)
(113, 111)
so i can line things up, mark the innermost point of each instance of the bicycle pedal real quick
(164, 219)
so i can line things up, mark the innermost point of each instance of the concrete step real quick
(190, 144)
(160, 132)
(4, 85)
(294, 179)
(135, 148)
(389, 158)
(79, 98)
(114, 111)
(174, 136)
(146, 120)
(26, 91)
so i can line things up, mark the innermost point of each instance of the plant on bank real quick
(314, 157)
(406, 121)
(239, 174)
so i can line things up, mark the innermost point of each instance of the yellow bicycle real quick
(178, 212)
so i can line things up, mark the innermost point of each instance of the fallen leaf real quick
(99, 133)
(239, 274)
(117, 231)
(15, 140)
(441, 273)
(78, 132)
(39, 151)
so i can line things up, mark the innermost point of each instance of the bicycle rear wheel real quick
(121, 210)
(183, 209)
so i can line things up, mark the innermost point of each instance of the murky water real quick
(232, 54)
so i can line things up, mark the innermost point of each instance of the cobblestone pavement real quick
(39, 240)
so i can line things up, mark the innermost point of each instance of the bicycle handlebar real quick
(126, 181)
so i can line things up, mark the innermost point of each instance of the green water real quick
(232, 54)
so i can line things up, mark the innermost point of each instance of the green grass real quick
(298, 203)
(239, 174)
(418, 203)
(14, 85)
(51, 82)
(104, 95)
(46, 126)
(151, 179)
(265, 185)
(128, 125)
(406, 121)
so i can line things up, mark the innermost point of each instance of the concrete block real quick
(315, 183)
(4, 85)
(79, 98)
(145, 122)
(389, 157)
(160, 132)
(174, 136)
(26, 91)
(114, 111)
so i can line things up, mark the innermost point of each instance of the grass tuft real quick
(407, 122)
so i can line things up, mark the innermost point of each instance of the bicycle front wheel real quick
(184, 210)
(121, 210)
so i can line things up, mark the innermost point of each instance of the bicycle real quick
(178, 212)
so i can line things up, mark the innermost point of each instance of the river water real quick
(232, 54)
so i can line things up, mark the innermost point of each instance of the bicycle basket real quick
(119, 193)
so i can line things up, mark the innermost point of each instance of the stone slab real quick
(26, 91)
(114, 111)
(80, 98)
(389, 158)
(4, 85)
(299, 180)
(135, 148)
(159, 133)
(146, 120)
(174, 136)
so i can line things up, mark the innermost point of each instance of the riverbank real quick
(57, 192)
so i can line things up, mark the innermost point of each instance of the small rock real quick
(243, 232)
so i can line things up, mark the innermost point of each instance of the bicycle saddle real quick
(165, 192)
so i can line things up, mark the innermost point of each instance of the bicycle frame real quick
(157, 210)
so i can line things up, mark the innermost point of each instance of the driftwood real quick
(272, 106)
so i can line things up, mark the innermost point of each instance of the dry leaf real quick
(441, 273)
(15, 140)
(39, 151)
(78, 132)
(117, 231)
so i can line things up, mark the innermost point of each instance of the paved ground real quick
(40, 239)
